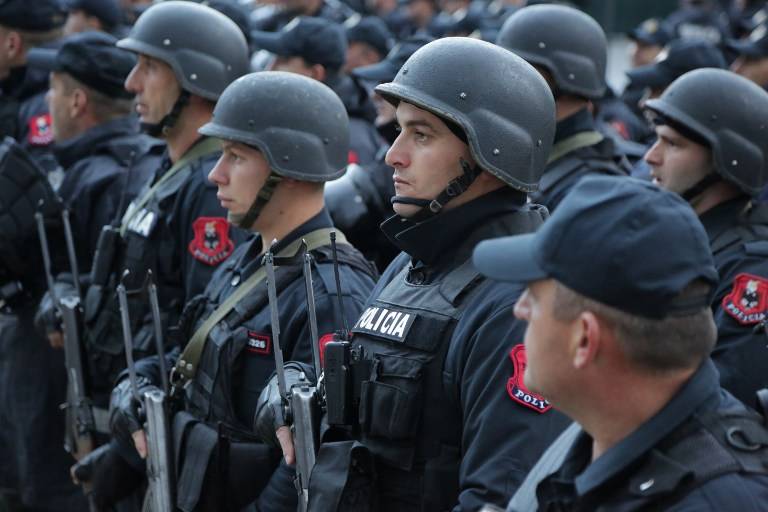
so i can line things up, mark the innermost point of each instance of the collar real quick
(724, 216)
(581, 121)
(252, 257)
(93, 140)
(427, 241)
(701, 391)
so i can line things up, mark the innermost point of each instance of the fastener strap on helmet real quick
(167, 122)
(703, 184)
(455, 188)
(247, 219)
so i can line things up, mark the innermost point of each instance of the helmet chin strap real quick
(246, 220)
(167, 122)
(455, 188)
(702, 185)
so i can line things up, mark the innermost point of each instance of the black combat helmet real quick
(501, 103)
(566, 42)
(205, 49)
(730, 113)
(300, 126)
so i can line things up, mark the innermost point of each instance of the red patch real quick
(621, 128)
(40, 131)
(211, 244)
(515, 387)
(259, 343)
(352, 157)
(748, 300)
(322, 342)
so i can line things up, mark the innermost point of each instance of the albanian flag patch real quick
(515, 387)
(40, 131)
(748, 299)
(211, 244)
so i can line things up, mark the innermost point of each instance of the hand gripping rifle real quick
(154, 403)
(81, 426)
(302, 402)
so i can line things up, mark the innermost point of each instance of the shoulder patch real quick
(748, 300)
(40, 131)
(211, 244)
(259, 343)
(515, 387)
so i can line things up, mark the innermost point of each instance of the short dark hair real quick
(657, 346)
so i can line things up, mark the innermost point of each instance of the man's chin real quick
(405, 210)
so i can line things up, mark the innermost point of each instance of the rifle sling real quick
(202, 148)
(186, 366)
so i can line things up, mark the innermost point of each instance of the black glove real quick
(270, 409)
(112, 478)
(47, 318)
(125, 414)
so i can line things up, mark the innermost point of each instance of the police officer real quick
(713, 151)
(752, 55)
(96, 140)
(317, 48)
(24, 114)
(270, 179)
(85, 15)
(618, 339)
(96, 137)
(569, 48)
(443, 415)
(187, 55)
(359, 201)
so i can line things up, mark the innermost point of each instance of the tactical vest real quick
(708, 445)
(580, 154)
(751, 229)
(209, 432)
(146, 244)
(404, 418)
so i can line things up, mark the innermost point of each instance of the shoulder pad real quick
(756, 248)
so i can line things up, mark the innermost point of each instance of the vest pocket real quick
(391, 401)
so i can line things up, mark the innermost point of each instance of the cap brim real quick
(652, 75)
(746, 48)
(272, 42)
(380, 72)
(510, 258)
(42, 58)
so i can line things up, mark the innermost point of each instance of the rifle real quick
(81, 426)
(303, 401)
(154, 403)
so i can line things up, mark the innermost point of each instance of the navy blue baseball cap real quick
(620, 241)
(91, 58)
(316, 40)
(386, 70)
(755, 45)
(35, 16)
(652, 32)
(107, 11)
(372, 31)
(681, 56)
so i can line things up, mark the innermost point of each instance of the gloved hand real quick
(125, 414)
(111, 477)
(269, 421)
(47, 318)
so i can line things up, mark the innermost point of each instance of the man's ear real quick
(78, 103)
(318, 72)
(14, 45)
(590, 338)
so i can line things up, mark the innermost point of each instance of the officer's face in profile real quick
(239, 174)
(644, 54)
(677, 163)
(60, 104)
(753, 68)
(425, 157)
(546, 340)
(155, 87)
